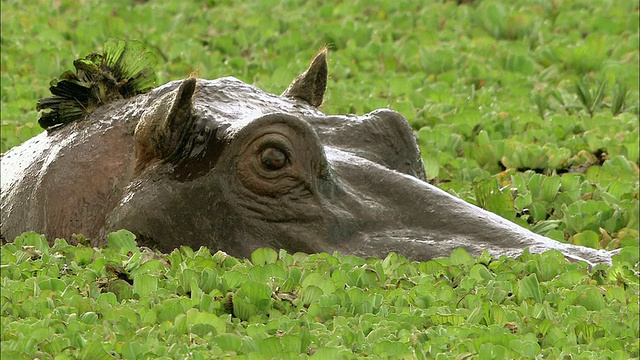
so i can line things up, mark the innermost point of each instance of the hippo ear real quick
(162, 129)
(311, 84)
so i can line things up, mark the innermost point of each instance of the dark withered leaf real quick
(67, 75)
(71, 90)
(70, 110)
(124, 69)
(48, 119)
(46, 103)
(64, 112)
(87, 65)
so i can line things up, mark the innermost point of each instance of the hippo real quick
(222, 164)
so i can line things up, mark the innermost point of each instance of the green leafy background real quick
(528, 109)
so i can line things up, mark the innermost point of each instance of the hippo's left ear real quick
(311, 84)
(162, 129)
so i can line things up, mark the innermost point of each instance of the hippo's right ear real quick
(312, 83)
(162, 129)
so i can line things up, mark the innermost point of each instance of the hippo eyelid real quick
(276, 145)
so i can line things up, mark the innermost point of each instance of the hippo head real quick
(223, 164)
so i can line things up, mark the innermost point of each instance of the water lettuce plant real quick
(127, 302)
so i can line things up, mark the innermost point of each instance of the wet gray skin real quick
(221, 163)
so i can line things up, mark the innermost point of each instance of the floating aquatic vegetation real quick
(124, 69)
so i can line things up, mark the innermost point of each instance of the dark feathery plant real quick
(124, 69)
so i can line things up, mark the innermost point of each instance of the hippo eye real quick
(273, 158)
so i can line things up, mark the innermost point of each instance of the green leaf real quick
(549, 188)
(132, 350)
(52, 284)
(204, 323)
(144, 285)
(258, 294)
(480, 272)
(231, 280)
(544, 227)
(252, 298)
(529, 288)
(591, 299)
(89, 318)
(228, 341)
(461, 257)
(123, 241)
(491, 351)
(264, 256)
(329, 353)
(629, 255)
(270, 346)
(587, 333)
(325, 283)
(498, 315)
(587, 238)
(528, 349)
(121, 288)
(392, 349)
(451, 319)
(620, 93)
(169, 309)
(310, 294)
(292, 343)
(93, 350)
(35, 240)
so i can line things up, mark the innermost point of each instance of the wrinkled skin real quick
(223, 164)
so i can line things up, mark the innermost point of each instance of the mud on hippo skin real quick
(222, 164)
